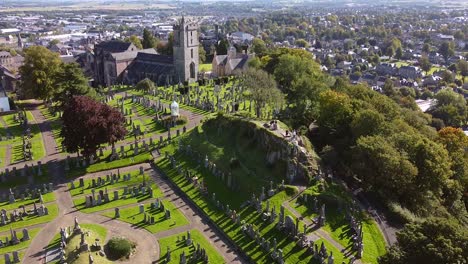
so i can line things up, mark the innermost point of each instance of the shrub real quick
(119, 247)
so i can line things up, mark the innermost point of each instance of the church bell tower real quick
(186, 51)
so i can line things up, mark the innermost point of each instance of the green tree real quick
(462, 66)
(201, 54)
(259, 47)
(447, 77)
(302, 43)
(447, 49)
(425, 64)
(433, 241)
(383, 168)
(388, 88)
(450, 107)
(38, 73)
(149, 40)
(335, 110)
(367, 122)
(255, 63)
(399, 53)
(145, 85)
(262, 89)
(426, 48)
(70, 81)
(222, 47)
(135, 40)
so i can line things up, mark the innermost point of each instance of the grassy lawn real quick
(132, 215)
(33, 220)
(48, 197)
(205, 67)
(177, 247)
(95, 232)
(22, 245)
(80, 203)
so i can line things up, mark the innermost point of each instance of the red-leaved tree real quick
(88, 123)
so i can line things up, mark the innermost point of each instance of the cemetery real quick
(188, 247)
(78, 243)
(101, 194)
(154, 216)
(238, 172)
(259, 183)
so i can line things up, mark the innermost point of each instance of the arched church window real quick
(192, 70)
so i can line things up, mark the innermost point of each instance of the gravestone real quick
(142, 208)
(117, 212)
(25, 235)
(116, 195)
(16, 257)
(289, 223)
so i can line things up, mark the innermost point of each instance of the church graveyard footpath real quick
(126, 196)
(116, 180)
(341, 212)
(28, 201)
(23, 241)
(33, 219)
(292, 252)
(192, 244)
(94, 237)
(56, 124)
(155, 217)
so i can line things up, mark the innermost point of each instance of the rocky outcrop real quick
(302, 164)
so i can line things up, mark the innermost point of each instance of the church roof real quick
(157, 58)
(114, 46)
(221, 59)
(130, 55)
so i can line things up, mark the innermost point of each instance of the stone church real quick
(118, 62)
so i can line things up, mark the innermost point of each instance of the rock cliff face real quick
(302, 164)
